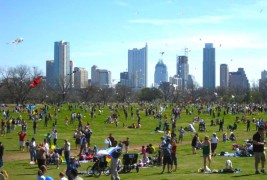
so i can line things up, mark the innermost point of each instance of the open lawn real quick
(18, 167)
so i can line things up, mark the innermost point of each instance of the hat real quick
(214, 134)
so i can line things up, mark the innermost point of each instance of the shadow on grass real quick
(26, 174)
(32, 167)
(245, 175)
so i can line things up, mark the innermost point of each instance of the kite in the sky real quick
(36, 82)
(16, 41)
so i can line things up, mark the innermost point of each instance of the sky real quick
(100, 33)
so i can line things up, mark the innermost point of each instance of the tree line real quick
(15, 81)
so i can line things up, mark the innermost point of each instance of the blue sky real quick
(100, 33)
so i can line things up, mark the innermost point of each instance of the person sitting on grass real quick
(232, 136)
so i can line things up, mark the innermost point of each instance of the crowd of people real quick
(48, 150)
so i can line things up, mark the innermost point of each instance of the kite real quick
(16, 41)
(36, 82)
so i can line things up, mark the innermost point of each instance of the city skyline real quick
(102, 32)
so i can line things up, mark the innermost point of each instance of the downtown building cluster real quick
(62, 74)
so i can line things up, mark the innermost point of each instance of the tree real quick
(17, 80)
(105, 94)
(122, 92)
(167, 90)
(89, 93)
(149, 94)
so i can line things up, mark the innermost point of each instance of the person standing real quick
(114, 163)
(126, 143)
(67, 152)
(54, 134)
(221, 125)
(34, 126)
(1, 154)
(195, 140)
(214, 143)
(248, 125)
(40, 155)
(22, 139)
(32, 150)
(258, 150)
(181, 134)
(167, 155)
(173, 155)
(206, 147)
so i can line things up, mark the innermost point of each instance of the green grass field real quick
(18, 167)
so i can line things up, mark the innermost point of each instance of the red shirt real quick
(22, 136)
(173, 149)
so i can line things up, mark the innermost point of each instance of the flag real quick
(36, 82)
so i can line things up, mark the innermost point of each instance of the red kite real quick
(36, 82)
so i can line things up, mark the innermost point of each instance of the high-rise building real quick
(50, 73)
(263, 80)
(224, 75)
(100, 77)
(137, 67)
(104, 78)
(80, 77)
(62, 65)
(124, 80)
(161, 73)
(192, 83)
(182, 70)
(209, 66)
(176, 82)
(94, 75)
(238, 79)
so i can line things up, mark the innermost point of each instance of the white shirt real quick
(67, 146)
(214, 139)
(46, 145)
(63, 178)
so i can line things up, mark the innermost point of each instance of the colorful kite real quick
(16, 41)
(36, 82)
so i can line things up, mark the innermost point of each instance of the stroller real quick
(100, 166)
(130, 162)
(202, 126)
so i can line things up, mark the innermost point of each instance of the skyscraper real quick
(224, 75)
(238, 79)
(137, 67)
(100, 77)
(62, 65)
(161, 73)
(80, 77)
(50, 73)
(182, 70)
(124, 80)
(209, 66)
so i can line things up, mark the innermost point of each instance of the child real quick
(56, 158)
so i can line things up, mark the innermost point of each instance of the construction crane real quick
(186, 51)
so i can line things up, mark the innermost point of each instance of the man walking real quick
(258, 150)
